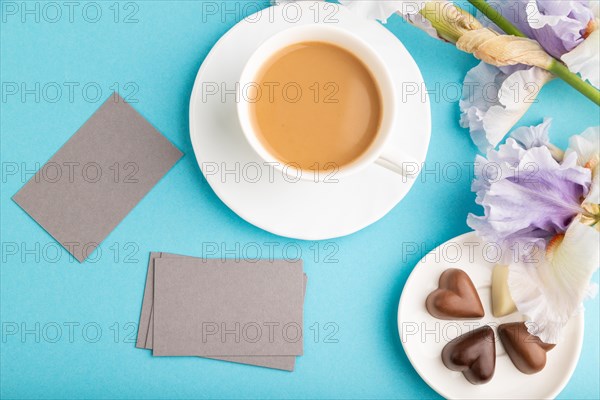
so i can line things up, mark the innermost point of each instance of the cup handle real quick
(399, 163)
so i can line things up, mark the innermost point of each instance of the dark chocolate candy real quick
(525, 350)
(455, 298)
(473, 354)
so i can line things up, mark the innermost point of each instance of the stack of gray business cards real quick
(247, 312)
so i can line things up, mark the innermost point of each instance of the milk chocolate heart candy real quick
(525, 350)
(455, 298)
(473, 354)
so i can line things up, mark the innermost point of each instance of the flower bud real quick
(502, 50)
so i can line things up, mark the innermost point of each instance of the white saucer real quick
(304, 209)
(425, 352)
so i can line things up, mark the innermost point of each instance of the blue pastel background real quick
(152, 50)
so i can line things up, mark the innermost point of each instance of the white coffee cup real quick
(378, 152)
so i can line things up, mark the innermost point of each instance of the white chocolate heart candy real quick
(502, 302)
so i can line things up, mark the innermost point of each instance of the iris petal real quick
(550, 290)
(494, 100)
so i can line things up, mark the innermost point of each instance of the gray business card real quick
(92, 182)
(205, 307)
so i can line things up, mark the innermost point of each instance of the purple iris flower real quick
(558, 25)
(527, 195)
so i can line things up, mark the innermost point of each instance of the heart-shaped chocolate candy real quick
(473, 354)
(525, 350)
(455, 298)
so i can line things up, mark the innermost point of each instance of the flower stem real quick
(496, 17)
(556, 67)
(560, 70)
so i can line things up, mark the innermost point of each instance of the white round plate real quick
(260, 194)
(423, 336)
